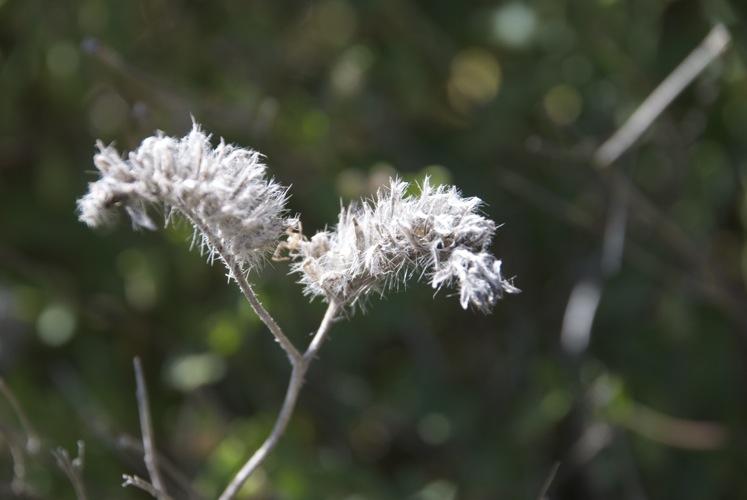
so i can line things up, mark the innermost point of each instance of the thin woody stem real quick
(321, 334)
(149, 450)
(237, 273)
(714, 44)
(72, 469)
(300, 363)
(32, 439)
(268, 320)
(300, 367)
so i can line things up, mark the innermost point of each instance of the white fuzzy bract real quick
(379, 244)
(222, 191)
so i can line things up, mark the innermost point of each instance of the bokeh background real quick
(416, 398)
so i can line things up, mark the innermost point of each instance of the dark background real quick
(417, 398)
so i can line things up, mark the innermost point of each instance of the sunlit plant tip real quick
(381, 243)
(221, 190)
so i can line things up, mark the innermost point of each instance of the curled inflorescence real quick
(222, 191)
(379, 244)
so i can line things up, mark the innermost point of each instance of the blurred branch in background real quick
(150, 455)
(713, 46)
(584, 299)
(673, 431)
(73, 469)
(548, 481)
(17, 446)
(129, 448)
(32, 439)
(19, 487)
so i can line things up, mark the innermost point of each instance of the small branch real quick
(236, 272)
(73, 468)
(711, 47)
(615, 227)
(322, 332)
(548, 481)
(578, 318)
(291, 396)
(583, 302)
(141, 483)
(18, 485)
(78, 394)
(300, 363)
(32, 444)
(705, 280)
(149, 454)
(32, 440)
(674, 431)
(130, 444)
(300, 367)
(268, 320)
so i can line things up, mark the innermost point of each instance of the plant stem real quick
(714, 44)
(149, 451)
(300, 367)
(32, 440)
(300, 363)
(238, 274)
(268, 320)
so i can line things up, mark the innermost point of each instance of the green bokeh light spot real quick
(224, 337)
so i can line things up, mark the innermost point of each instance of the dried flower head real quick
(222, 191)
(379, 244)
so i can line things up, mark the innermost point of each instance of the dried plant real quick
(378, 245)
(239, 215)
(222, 191)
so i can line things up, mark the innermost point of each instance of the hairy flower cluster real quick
(222, 191)
(379, 244)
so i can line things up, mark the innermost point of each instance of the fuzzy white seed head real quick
(221, 191)
(379, 244)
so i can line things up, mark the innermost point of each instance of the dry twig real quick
(300, 367)
(32, 440)
(548, 482)
(73, 469)
(32, 443)
(146, 425)
(713, 45)
(141, 483)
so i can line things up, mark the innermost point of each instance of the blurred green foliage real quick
(417, 398)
